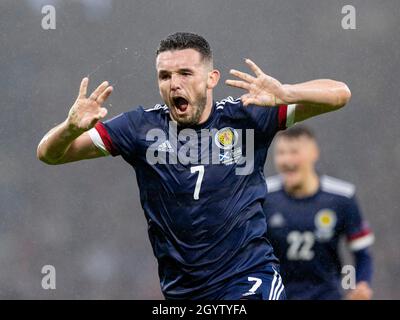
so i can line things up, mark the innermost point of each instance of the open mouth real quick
(180, 103)
(287, 169)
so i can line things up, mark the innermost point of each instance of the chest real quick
(321, 220)
(199, 160)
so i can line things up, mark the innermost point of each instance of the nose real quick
(281, 159)
(175, 82)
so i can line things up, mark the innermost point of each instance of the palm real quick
(85, 112)
(262, 90)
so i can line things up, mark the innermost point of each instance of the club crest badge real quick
(325, 222)
(277, 220)
(226, 138)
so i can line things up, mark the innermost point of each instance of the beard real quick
(193, 118)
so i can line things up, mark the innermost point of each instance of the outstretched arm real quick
(310, 98)
(69, 141)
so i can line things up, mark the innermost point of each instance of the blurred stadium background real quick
(85, 218)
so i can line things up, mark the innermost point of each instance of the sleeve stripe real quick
(96, 139)
(286, 115)
(362, 233)
(282, 114)
(106, 139)
(362, 243)
(291, 109)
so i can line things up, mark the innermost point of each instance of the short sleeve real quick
(272, 119)
(359, 234)
(118, 135)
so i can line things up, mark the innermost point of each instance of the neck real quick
(308, 187)
(207, 110)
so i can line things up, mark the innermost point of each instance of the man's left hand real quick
(262, 90)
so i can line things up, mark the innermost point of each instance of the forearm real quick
(363, 262)
(56, 142)
(363, 265)
(315, 97)
(325, 92)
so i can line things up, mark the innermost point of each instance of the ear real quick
(213, 78)
(316, 151)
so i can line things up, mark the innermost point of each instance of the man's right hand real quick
(69, 140)
(362, 292)
(85, 112)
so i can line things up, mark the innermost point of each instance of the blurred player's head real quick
(295, 154)
(186, 77)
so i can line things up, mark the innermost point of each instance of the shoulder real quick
(228, 102)
(337, 187)
(229, 106)
(140, 113)
(158, 108)
(233, 107)
(274, 183)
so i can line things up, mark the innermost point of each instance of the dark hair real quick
(296, 132)
(186, 40)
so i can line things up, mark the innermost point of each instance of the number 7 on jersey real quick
(199, 169)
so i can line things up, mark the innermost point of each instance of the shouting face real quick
(295, 159)
(185, 81)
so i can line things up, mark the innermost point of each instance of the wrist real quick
(71, 130)
(288, 94)
(363, 283)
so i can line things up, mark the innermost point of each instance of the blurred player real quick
(203, 204)
(307, 214)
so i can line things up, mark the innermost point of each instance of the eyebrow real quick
(179, 70)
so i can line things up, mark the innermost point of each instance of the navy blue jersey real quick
(201, 190)
(305, 234)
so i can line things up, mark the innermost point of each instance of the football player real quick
(307, 215)
(199, 165)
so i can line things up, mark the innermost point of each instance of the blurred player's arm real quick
(306, 99)
(359, 239)
(70, 141)
(364, 265)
